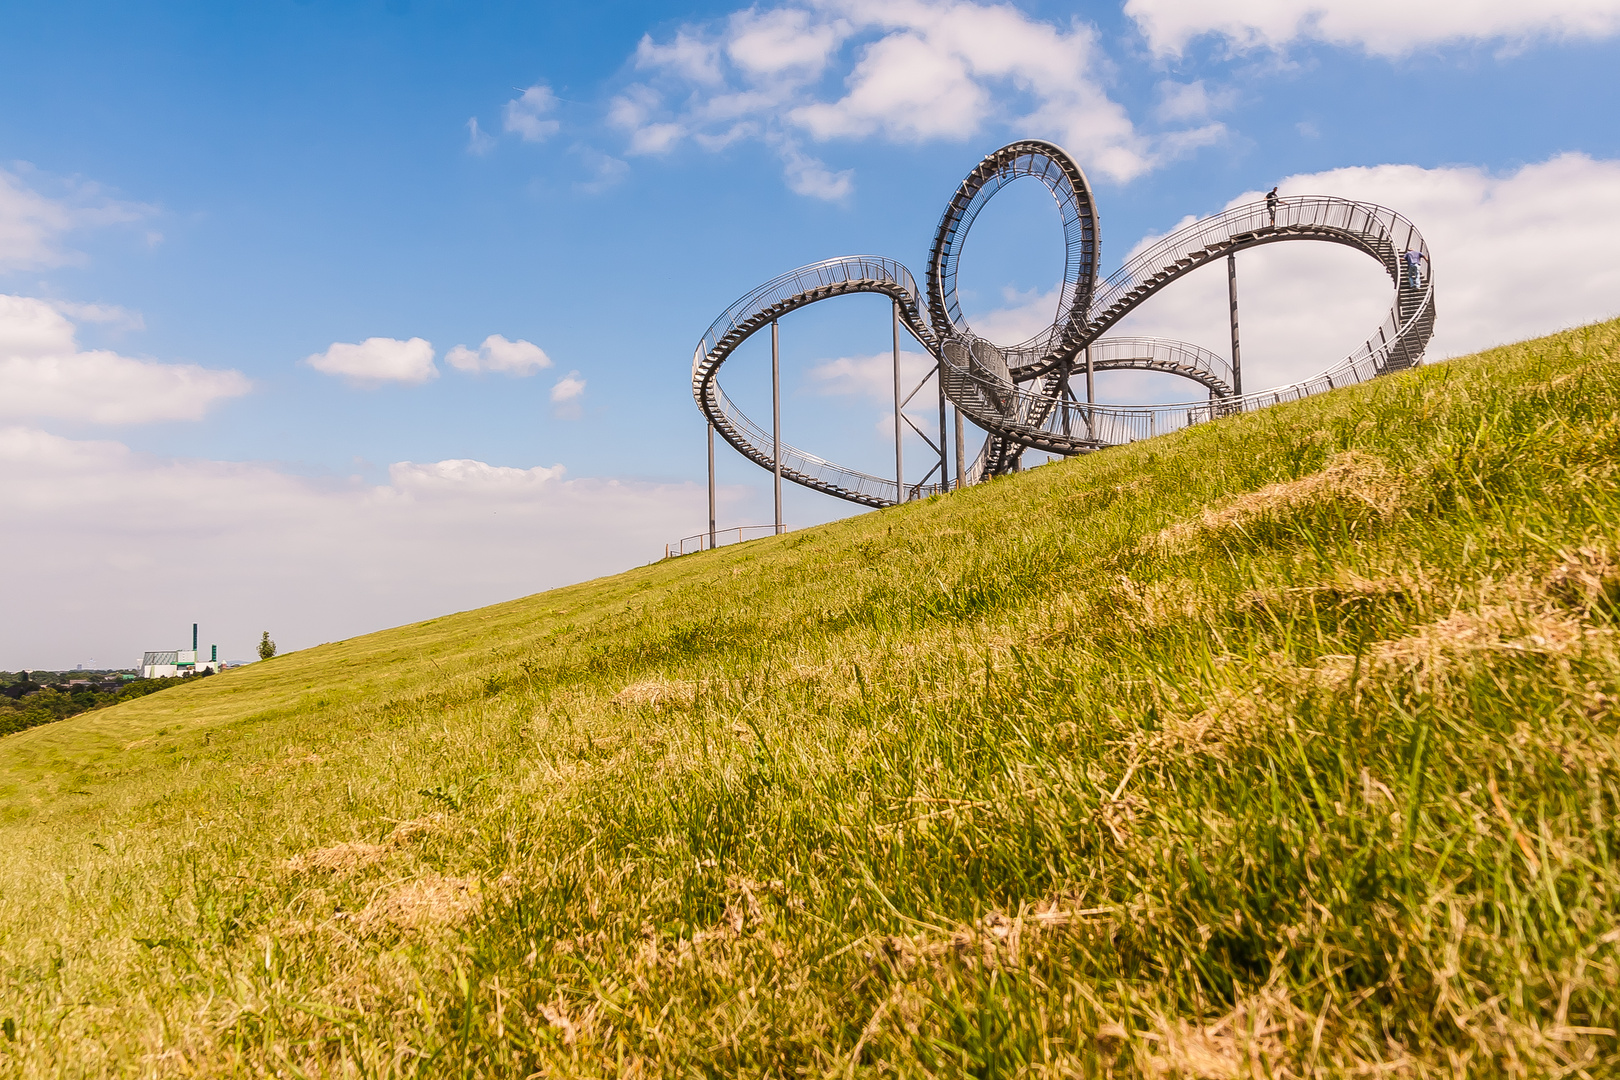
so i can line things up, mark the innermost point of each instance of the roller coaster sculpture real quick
(1020, 395)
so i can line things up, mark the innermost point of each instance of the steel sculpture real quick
(1020, 395)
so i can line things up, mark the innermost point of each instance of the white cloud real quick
(786, 40)
(1382, 27)
(497, 354)
(1515, 256)
(108, 315)
(43, 373)
(378, 360)
(32, 225)
(479, 141)
(566, 394)
(606, 170)
(465, 477)
(152, 544)
(524, 115)
(810, 176)
(1182, 102)
(912, 71)
(869, 376)
(693, 58)
(1021, 316)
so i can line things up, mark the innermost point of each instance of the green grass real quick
(1285, 745)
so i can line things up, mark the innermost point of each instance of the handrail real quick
(756, 310)
(1021, 394)
(679, 547)
(1043, 421)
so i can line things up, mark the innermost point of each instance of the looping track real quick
(1020, 394)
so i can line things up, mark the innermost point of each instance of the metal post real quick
(1091, 396)
(711, 487)
(1231, 292)
(776, 418)
(961, 451)
(944, 458)
(899, 465)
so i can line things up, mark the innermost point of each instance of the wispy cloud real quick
(1381, 27)
(44, 373)
(906, 72)
(479, 141)
(525, 115)
(311, 560)
(33, 225)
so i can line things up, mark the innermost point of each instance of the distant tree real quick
(267, 648)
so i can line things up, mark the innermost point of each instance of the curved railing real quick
(1022, 395)
(1045, 421)
(1209, 369)
(770, 301)
(1048, 163)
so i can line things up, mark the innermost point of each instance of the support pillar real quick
(776, 418)
(1231, 292)
(711, 486)
(961, 451)
(944, 458)
(1091, 397)
(899, 464)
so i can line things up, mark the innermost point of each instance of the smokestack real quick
(213, 653)
(193, 637)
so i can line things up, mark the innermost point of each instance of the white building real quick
(166, 665)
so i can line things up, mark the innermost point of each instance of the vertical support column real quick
(776, 418)
(961, 451)
(944, 458)
(1231, 292)
(1091, 397)
(899, 464)
(711, 486)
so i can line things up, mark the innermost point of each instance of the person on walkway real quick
(1271, 206)
(1414, 267)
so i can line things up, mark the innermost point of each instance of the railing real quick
(1067, 183)
(985, 380)
(1378, 230)
(782, 289)
(804, 467)
(982, 381)
(852, 273)
(1160, 354)
(690, 545)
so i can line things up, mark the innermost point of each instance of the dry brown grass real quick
(427, 902)
(1587, 578)
(352, 855)
(1355, 478)
(995, 940)
(658, 694)
(341, 858)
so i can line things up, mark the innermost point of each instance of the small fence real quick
(703, 541)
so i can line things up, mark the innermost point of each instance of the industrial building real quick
(166, 664)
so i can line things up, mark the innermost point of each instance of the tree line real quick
(31, 698)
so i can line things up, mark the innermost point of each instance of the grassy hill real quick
(1285, 745)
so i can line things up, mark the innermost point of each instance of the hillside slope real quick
(1285, 745)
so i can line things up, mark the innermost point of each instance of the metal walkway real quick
(1021, 394)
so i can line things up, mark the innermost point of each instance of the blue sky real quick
(199, 198)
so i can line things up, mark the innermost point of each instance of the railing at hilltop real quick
(703, 541)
